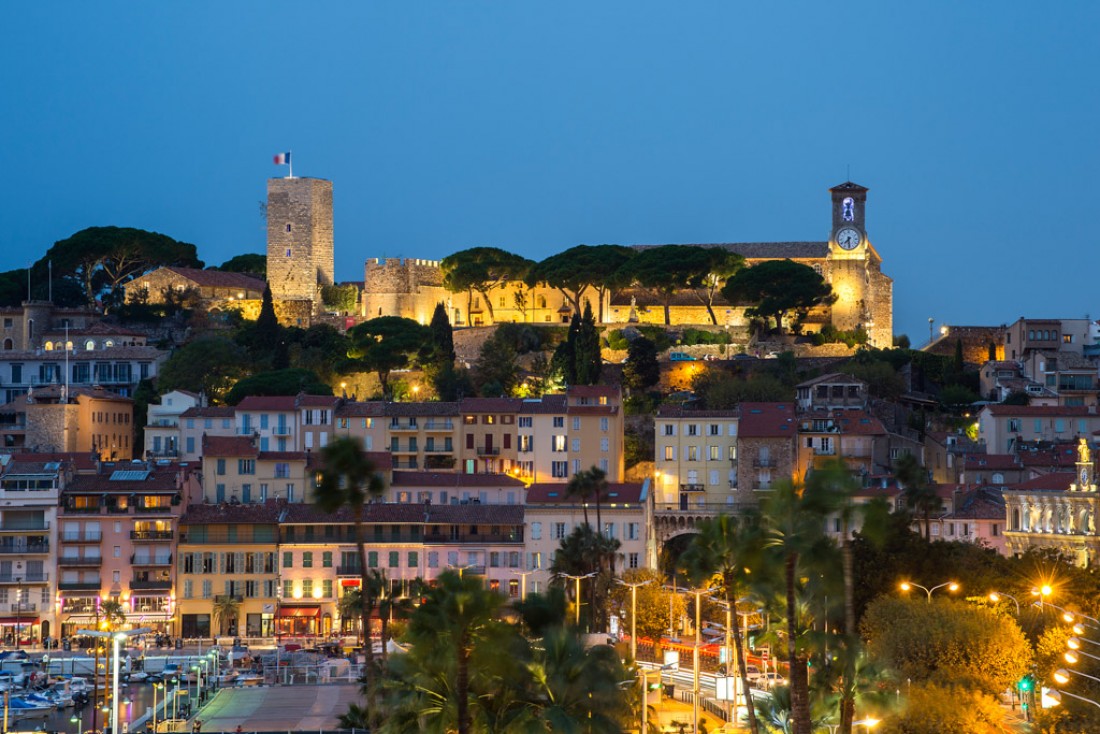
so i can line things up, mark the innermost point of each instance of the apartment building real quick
(626, 514)
(426, 436)
(488, 435)
(29, 493)
(560, 435)
(365, 421)
(236, 470)
(287, 423)
(766, 448)
(1003, 427)
(1067, 374)
(851, 435)
(229, 551)
(77, 420)
(202, 421)
(695, 458)
(835, 391)
(117, 535)
(451, 488)
(162, 423)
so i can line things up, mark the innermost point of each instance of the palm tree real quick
(226, 609)
(920, 495)
(577, 689)
(793, 527)
(723, 553)
(350, 606)
(350, 480)
(581, 487)
(114, 613)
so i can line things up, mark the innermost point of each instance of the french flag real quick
(282, 159)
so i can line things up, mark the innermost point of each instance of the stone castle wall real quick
(299, 221)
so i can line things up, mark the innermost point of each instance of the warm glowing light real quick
(1061, 675)
(953, 586)
(1073, 643)
(1045, 590)
(994, 596)
(317, 592)
(905, 586)
(298, 593)
(1071, 657)
(1068, 616)
(1078, 629)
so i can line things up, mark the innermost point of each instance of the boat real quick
(20, 708)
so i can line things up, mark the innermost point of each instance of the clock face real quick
(849, 238)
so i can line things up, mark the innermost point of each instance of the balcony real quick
(410, 464)
(84, 510)
(163, 423)
(693, 488)
(25, 578)
(281, 430)
(822, 451)
(403, 426)
(349, 571)
(516, 537)
(22, 526)
(162, 453)
(136, 560)
(88, 536)
(152, 534)
(439, 426)
(409, 448)
(488, 451)
(702, 508)
(15, 608)
(27, 548)
(439, 450)
(153, 585)
(764, 463)
(78, 561)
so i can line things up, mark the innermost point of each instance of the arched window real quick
(542, 301)
(109, 343)
(48, 346)
(1016, 519)
(9, 345)
(69, 346)
(90, 345)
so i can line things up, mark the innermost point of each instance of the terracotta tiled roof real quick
(767, 420)
(317, 401)
(126, 478)
(221, 411)
(443, 479)
(983, 503)
(31, 467)
(832, 378)
(109, 353)
(360, 410)
(219, 279)
(593, 410)
(555, 494)
(991, 461)
(547, 405)
(858, 423)
(80, 461)
(423, 408)
(677, 410)
(229, 446)
(592, 391)
(267, 513)
(268, 402)
(490, 405)
(1056, 481)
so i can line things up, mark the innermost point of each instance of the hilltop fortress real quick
(847, 260)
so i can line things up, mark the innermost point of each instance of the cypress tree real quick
(586, 351)
(443, 344)
(266, 331)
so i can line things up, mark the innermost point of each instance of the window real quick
(670, 453)
(714, 429)
(576, 424)
(288, 559)
(693, 429)
(394, 560)
(246, 466)
(559, 469)
(668, 430)
(559, 530)
(693, 453)
(632, 531)
(220, 470)
(559, 421)
(576, 445)
(605, 444)
(372, 559)
(307, 559)
(326, 588)
(603, 424)
(557, 443)
(632, 560)
(536, 531)
(525, 422)
(288, 589)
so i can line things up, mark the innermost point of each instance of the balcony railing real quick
(151, 534)
(410, 464)
(396, 425)
(14, 526)
(822, 451)
(693, 488)
(677, 508)
(88, 536)
(439, 449)
(165, 453)
(349, 571)
(87, 510)
(439, 426)
(28, 548)
(488, 451)
(154, 585)
(764, 463)
(136, 560)
(281, 430)
(397, 448)
(78, 585)
(25, 578)
(77, 561)
(16, 608)
(474, 538)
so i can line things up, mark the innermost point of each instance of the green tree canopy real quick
(482, 269)
(250, 263)
(210, 364)
(641, 370)
(289, 381)
(720, 390)
(935, 708)
(588, 359)
(653, 601)
(669, 269)
(342, 298)
(775, 288)
(711, 268)
(947, 642)
(102, 259)
(574, 271)
(384, 344)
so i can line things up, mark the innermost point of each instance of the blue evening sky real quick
(538, 126)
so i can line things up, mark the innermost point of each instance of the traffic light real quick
(653, 691)
(1026, 684)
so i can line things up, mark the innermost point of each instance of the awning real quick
(28, 619)
(310, 611)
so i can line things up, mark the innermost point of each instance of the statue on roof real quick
(1083, 452)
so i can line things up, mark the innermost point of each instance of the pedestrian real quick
(239, 729)
(196, 727)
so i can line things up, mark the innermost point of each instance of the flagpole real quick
(50, 263)
(290, 162)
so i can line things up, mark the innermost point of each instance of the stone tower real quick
(864, 294)
(299, 238)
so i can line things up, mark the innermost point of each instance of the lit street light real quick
(577, 592)
(907, 585)
(1056, 697)
(1061, 676)
(995, 596)
(116, 638)
(634, 616)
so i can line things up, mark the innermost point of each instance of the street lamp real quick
(907, 585)
(695, 657)
(1062, 675)
(523, 583)
(1056, 697)
(995, 596)
(869, 723)
(116, 638)
(577, 593)
(156, 687)
(634, 615)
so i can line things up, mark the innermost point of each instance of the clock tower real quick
(854, 268)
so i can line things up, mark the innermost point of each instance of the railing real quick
(439, 425)
(764, 462)
(349, 571)
(151, 534)
(167, 453)
(25, 548)
(488, 451)
(244, 430)
(76, 561)
(14, 526)
(439, 450)
(89, 510)
(26, 578)
(155, 585)
(675, 508)
(410, 448)
(85, 537)
(693, 488)
(821, 451)
(474, 538)
(281, 430)
(136, 560)
(406, 426)
(410, 464)
(18, 607)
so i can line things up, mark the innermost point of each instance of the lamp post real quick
(1068, 616)
(1056, 696)
(156, 687)
(695, 658)
(907, 585)
(18, 608)
(523, 583)
(1061, 676)
(995, 596)
(116, 638)
(577, 593)
(634, 615)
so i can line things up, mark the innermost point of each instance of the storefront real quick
(24, 628)
(301, 620)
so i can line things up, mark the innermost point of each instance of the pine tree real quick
(267, 325)
(565, 355)
(443, 344)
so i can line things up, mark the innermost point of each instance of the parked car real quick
(771, 680)
(680, 357)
